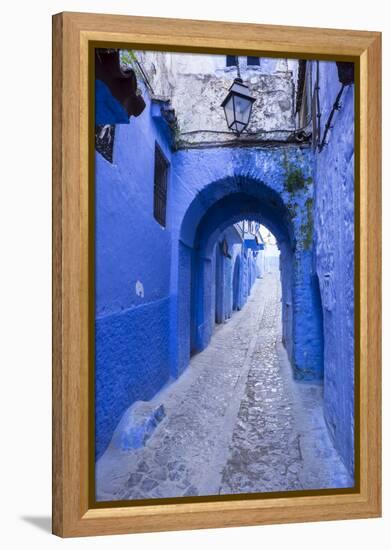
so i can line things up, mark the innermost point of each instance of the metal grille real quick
(160, 186)
(104, 140)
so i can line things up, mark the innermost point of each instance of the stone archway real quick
(223, 204)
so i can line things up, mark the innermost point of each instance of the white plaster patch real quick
(184, 78)
(140, 289)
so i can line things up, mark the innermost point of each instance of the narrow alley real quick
(234, 422)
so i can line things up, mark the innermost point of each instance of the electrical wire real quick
(248, 133)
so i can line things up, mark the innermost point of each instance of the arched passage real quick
(203, 273)
(217, 207)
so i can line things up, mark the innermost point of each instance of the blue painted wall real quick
(132, 276)
(334, 245)
(223, 281)
(237, 282)
(108, 110)
(132, 362)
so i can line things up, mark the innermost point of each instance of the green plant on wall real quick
(294, 176)
(128, 57)
(128, 60)
(292, 208)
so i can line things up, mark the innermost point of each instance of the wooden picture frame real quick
(72, 34)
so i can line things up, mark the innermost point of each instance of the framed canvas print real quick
(216, 192)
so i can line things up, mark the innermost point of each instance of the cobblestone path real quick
(235, 422)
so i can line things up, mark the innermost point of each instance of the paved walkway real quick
(235, 422)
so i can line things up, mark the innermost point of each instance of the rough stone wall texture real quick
(287, 274)
(183, 334)
(334, 237)
(272, 110)
(196, 85)
(131, 363)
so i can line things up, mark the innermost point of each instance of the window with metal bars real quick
(104, 140)
(160, 186)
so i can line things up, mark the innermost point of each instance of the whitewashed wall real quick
(196, 85)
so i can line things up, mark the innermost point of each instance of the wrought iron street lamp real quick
(238, 105)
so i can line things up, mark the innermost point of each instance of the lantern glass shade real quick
(237, 107)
